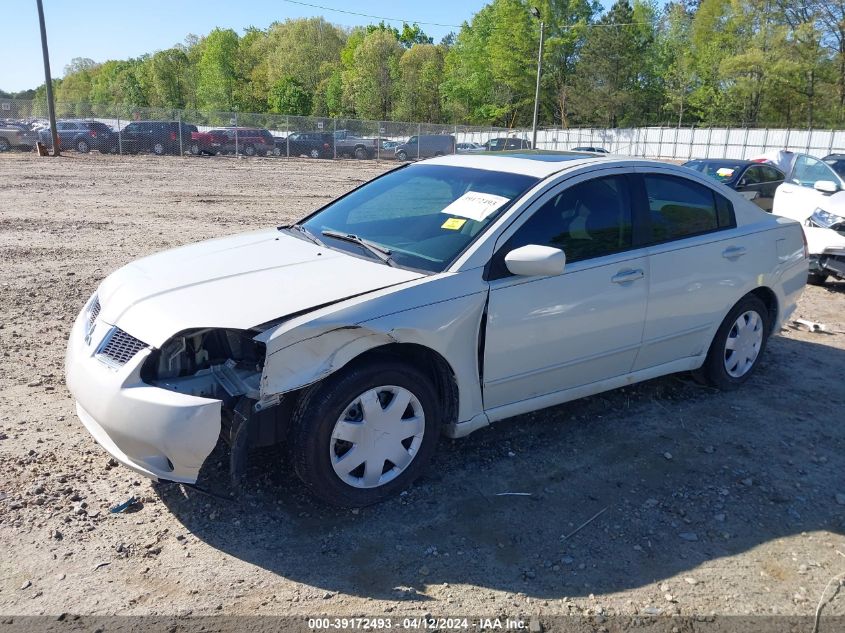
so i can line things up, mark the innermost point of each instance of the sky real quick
(103, 30)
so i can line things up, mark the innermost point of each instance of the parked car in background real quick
(310, 144)
(82, 136)
(390, 146)
(814, 195)
(245, 140)
(505, 144)
(837, 163)
(158, 137)
(347, 144)
(280, 145)
(469, 148)
(594, 150)
(425, 146)
(201, 143)
(753, 180)
(16, 136)
(356, 335)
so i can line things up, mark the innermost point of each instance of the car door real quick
(697, 263)
(772, 179)
(750, 185)
(796, 198)
(65, 131)
(546, 335)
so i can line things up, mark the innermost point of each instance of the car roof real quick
(724, 161)
(536, 163)
(836, 156)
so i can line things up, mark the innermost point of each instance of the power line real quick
(455, 26)
(367, 15)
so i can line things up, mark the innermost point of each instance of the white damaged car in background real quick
(436, 299)
(814, 195)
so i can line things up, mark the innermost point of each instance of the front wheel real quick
(5, 145)
(365, 433)
(737, 346)
(158, 149)
(277, 151)
(314, 153)
(195, 149)
(82, 146)
(402, 155)
(249, 150)
(360, 153)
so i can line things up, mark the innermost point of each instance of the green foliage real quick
(289, 96)
(703, 62)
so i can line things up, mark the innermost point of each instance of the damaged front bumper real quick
(158, 433)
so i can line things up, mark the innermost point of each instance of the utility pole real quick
(536, 13)
(48, 81)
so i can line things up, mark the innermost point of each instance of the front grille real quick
(119, 347)
(93, 312)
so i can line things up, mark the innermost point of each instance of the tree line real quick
(778, 63)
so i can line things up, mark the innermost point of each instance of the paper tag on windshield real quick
(725, 172)
(475, 205)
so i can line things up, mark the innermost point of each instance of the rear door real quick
(751, 185)
(698, 265)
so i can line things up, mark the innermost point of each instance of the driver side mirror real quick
(534, 260)
(826, 186)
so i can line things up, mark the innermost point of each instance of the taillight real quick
(325, 146)
(93, 133)
(173, 136)
(806, 246)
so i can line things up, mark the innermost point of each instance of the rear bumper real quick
(158, 433)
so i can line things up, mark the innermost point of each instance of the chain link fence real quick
(85, 127)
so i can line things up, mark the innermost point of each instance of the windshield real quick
(721, 170)
(425, 215)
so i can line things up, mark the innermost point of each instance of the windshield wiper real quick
(304, 232)
(379, 251)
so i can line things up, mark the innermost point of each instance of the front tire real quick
(360, 153)
(249, 150)
(402, 155)
(736, 349)
(365, 433)
(314, 153)
(159, 149)
(5, 145)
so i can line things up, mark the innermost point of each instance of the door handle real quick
(627, 276)
(733, 252)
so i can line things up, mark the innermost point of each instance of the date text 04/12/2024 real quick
(418, 623)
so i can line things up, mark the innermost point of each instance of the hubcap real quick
(743, 344)
(158, 148)
(377, 436)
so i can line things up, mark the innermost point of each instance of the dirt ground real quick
(711, 503)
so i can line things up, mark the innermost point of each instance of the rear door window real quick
(680, 208)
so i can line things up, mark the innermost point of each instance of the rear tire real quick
(355, 403)
(5, 145)
(159, 149)
(736, 349)
(195, 149)
(249, 150)
(314, 153)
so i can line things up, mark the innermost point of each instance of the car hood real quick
(235, 282)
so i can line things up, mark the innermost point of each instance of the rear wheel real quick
(249, 150)
(195, 149)
(365, 433)
(277, 151)
(159, 149)
(737, 346)
(82, 146)
(314, 153)
(5, 145)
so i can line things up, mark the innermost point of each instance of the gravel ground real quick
(710, 503)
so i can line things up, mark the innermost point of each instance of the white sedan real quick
(438, 298)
